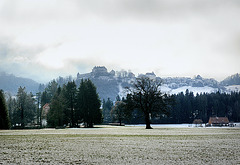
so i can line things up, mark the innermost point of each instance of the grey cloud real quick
(199, 19)
(108, 10)
(4, 51)
(9, 49)
(153, 9)
(17, 59)
(21, 61)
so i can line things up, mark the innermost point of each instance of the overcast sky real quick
(49, 38)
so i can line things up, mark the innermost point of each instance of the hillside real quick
(231, 80)
(11, 83)
(113, 83)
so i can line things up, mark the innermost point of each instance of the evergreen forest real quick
(69, 106)
(187, 107)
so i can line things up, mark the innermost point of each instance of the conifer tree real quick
(107, 106)
(70, 92)
(55, 115)
(25, 108)
(88, 104)
(4, 116)
(118, 111)
(21, 101)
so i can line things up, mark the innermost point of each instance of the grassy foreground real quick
(121, 145)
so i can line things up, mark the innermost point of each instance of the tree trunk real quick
(40, 117)
(147, 120)
(90, 125)
(72, 115)
(22, 116)
(72, 122)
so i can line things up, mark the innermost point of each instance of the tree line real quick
(69, 106)
(144, 103)
(185, 108)
(188, 107)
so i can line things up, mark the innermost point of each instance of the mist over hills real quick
(10, 83)
(113, 83)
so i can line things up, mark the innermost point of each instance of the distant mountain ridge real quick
(113, 83)
(231, 80)
(197, 81)
(10, 83)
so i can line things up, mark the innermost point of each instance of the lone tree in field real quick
(88, 104)
(4, 116)
(147, 97)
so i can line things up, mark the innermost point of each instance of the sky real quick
(49, 38)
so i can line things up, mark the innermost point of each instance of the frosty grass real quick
(121, 145)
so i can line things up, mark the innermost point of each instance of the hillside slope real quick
(231, 80)
(113, 83)
(11, 83)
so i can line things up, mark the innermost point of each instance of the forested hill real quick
(113, 83)
(110, 84)
(11, 83)
(231, 80)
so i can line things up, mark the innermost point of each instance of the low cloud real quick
(46, 39)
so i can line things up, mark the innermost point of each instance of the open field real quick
(121, 145)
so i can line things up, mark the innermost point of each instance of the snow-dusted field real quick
(121, 145)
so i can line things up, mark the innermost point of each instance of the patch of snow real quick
(195, 90)
(178, 125)
(232, 88)
(164, 125)
(236, 124)
(165, 89)
(183, 89)
(122, 91)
